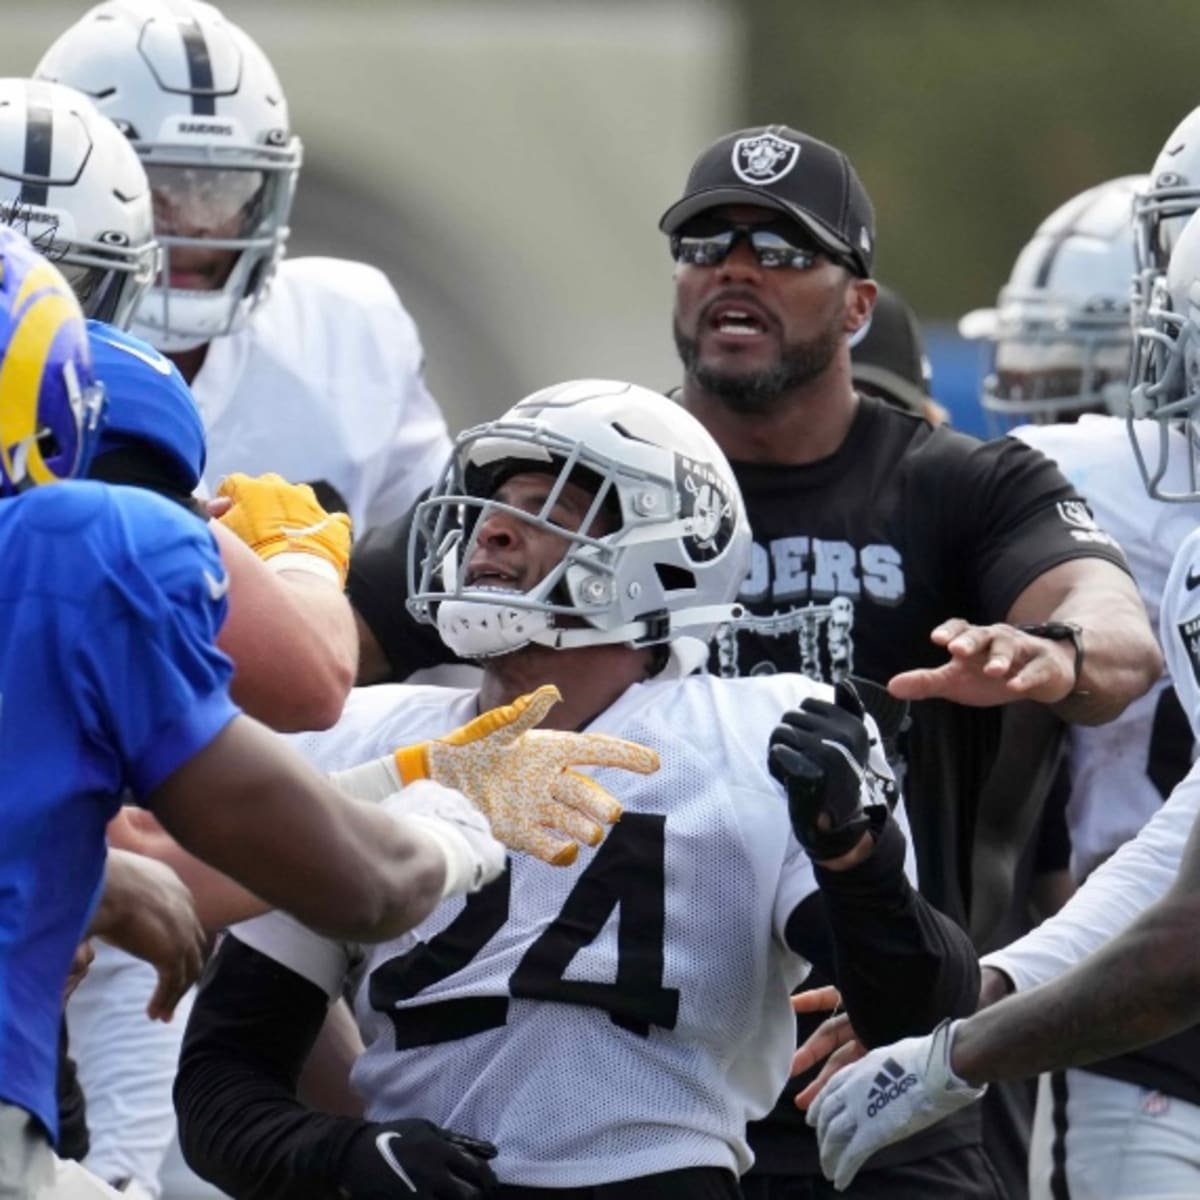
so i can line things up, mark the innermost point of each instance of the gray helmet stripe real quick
(39, 142)
(200, 74)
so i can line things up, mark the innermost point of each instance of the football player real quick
(308, 367)
(1060, 342)
(114, 688)
(1140, 987)
(610, 1027)
(72, 183)
(920, 560)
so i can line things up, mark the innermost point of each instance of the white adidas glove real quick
(459, 830)
(886, 1096)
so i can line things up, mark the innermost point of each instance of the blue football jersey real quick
(110, 603)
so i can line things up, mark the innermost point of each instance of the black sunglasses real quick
(775, 244)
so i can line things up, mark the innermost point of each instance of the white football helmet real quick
(72, 184)
(1060, 338)
(1167, 368)
(205, 111)
(670, 569)
(1163, 208)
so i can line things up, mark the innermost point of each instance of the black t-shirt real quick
(904, 526)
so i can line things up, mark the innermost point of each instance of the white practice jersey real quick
(324, 384)
(1113, 793)
(1141, 871)
(623, 1016)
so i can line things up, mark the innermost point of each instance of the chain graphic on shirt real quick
(814, 626)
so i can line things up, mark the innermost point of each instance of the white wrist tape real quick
(449, 821)
(313, 564)
(372, 781)
(464, 867)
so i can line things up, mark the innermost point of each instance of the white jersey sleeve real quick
(325, 384)
(1117, 769)
(1142, 870)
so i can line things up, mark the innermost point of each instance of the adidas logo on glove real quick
(890, 1084)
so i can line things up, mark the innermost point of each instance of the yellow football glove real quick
(519, 777)
(284, 524)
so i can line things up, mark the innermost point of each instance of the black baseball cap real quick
(777, 167)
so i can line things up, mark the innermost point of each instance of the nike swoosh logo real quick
(216, 587)
(308, 529)
(1191, 580)
(158, 362)
(382, 1144)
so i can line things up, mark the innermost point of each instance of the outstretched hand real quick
(990, 665)
(521, 779)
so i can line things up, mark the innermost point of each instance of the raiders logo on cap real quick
(764, 159)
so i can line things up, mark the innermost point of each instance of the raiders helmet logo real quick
(764, 159)
(706, 507)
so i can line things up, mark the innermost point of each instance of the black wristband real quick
(1061, 631)
(875, 879)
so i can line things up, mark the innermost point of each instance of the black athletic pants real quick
(963, 1173)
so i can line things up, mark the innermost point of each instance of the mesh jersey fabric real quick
(620, 1017)
(324, 385)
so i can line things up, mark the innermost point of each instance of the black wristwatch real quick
(1061, 631)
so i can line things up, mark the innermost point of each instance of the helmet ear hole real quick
(48, 444)
(675, 579)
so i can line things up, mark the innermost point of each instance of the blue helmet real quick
(149, 404)
(51, 406)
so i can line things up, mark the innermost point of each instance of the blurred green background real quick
(971, 121)
(506, 162)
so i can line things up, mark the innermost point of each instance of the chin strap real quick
(646, 631)
(475, 630)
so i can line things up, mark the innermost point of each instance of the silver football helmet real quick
(72, 184)
(1059, 336)
(1163, 208)
(669, 567)
(1167, 370)
(205, 111)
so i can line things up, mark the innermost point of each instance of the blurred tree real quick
(969, 121)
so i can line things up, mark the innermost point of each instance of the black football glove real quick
(416, 1159)
(819, 753)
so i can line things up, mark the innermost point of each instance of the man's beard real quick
(757, 391)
